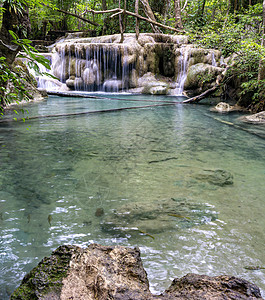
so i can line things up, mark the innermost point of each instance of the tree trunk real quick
(201, 10)
(137, 19)
(149, 13)
(104, 5)
(121, 23)
(178, 21)
(261, 74)
(17, 22)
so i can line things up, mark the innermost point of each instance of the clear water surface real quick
(180, 182)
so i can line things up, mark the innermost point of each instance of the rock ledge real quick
(115, 272)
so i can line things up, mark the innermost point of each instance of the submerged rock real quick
(215, 177)
(156, 217)
(258, 118)
(116, 272)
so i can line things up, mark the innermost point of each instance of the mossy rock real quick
(46, 278)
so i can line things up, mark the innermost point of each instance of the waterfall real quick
(92, 66)
(182, 74)
(214, 64)
(104, 64)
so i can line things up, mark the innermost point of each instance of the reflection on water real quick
(175, 181)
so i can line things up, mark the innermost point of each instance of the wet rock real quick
(99, 212)
(202, 287)
(74, 82)
(222, 107)
(258, 118)
(215, 177)
(201, 75)
(156, 88)
(152, 86)
(116, 272)
(156, 54)
(97, 272)
(45, 280)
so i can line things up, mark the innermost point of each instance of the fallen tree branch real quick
(150, 15)
(73, 15)
(102, 11)
(152, 22)
(118, 11)
(203, 95)
(77, 95)
(86, 112)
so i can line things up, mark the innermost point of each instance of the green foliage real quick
(7, 75)
(12, 85)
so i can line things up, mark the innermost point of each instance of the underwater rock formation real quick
(162, 215)
(105, 64)
(216, 177)
(115, 272)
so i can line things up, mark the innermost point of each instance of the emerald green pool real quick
(182, 183)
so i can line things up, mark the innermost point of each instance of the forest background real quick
(235, 27)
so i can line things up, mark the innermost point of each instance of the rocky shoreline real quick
(116, 272)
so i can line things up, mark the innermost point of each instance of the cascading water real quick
(104, 64)
(214, 63)
(182, 74)
(91, 67)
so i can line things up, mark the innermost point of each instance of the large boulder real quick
(97, 272)
(202, 287)
(115, 272)
(152, 86)
(202, 76)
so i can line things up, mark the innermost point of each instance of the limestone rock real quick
(73, 82)
(222, 107)
(116, 272)
(258, 118)
(201, 74)
(97, 272)
(152, 86)
(46, 278)
(160, 54)
(202, 287)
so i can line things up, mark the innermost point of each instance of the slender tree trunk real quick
(137, 21)
(178, 21)
(104, 5)
(166, 10)
(121, 23)
(261, 74)
(19, 23)
(149, 13)
(202, 8)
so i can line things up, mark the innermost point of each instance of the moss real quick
(21, 69)
(47, 276)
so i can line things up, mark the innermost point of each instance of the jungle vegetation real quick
(236, 27)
